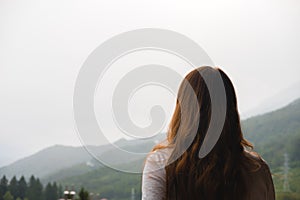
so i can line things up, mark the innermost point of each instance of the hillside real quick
(276, 133)
(48, 161)
(110, 156)
(59, 161)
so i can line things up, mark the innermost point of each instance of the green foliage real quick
(35, 189)
(59, 190)
(51, 191)
(111, 184)
(83, 194)
(20, 190)
(22, 187)
(288, 196)
(13, 187)
(276, 133)
(3, 186)
(8, 196)
(68, 172)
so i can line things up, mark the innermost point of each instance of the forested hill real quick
(48, 161)
(276, 133)
(60, 161)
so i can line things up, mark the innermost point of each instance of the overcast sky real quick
(44, 43)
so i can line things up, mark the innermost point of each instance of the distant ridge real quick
(281, 99)
(68, 161)
(275, 133)
(272, 133)
(47, 161)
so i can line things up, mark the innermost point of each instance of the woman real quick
(230, 170)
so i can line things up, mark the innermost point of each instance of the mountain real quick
(49, 160)
(112, 157)
(273, 134)
(57, 162)
(276, 133)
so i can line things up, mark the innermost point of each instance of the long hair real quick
(220, 174)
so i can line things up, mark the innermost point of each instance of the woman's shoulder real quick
(260, 165)
(260, 181)
(255, 157)
(157, 160)
(161, 154)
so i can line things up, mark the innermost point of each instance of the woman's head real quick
(219, 172)
(192, 119)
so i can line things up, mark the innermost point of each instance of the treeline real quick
(33, 190)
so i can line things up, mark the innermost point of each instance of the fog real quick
(44, 44)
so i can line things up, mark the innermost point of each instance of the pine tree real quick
(35, 189)
(55, 191)
(83, 194)
(13, 187)
(51, 191)
(60, 191)
(3, 187)
(8, 196)
(30, 190)
(48, 192)
(39, 190)
(22, 187)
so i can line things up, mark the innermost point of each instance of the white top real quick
(154, 175)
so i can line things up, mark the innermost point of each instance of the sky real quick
(44, 44)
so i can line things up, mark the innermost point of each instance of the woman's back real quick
(260, 185)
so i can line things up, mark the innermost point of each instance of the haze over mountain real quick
(73, 160)
(281, 99)
(49, 160)
(273, 134)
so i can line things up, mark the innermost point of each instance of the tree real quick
(3, 187)
(30, 191)
(51, 192)
(13, 187)
(8, 196)
(60, 191)
(55, 191)
(48, 192)
(38, 190)
(22, 187)
(35, 189)
(83, 194)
